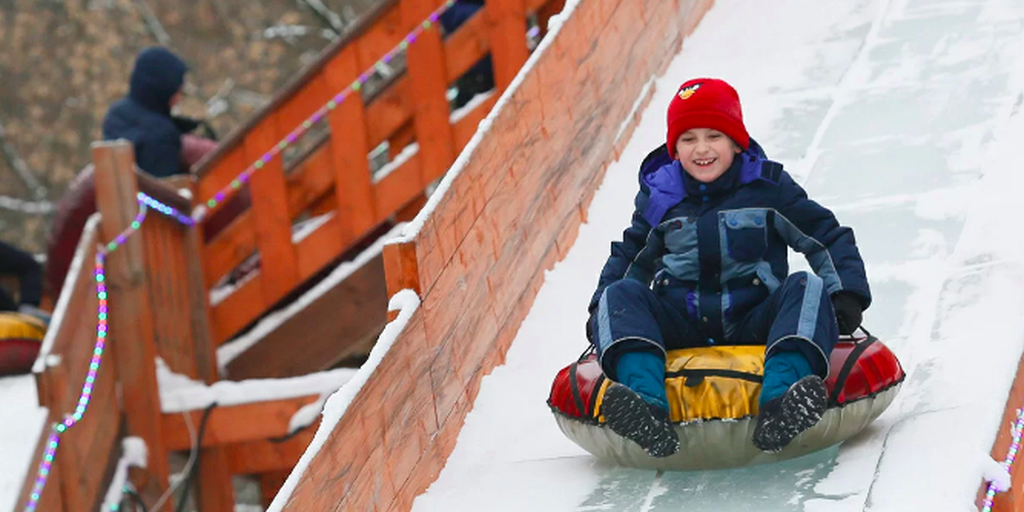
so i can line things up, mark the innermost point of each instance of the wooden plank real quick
(52, 498)
(399, 187)
(427, 71)
(214, 488)
(389, 111)
(310, 179)
(130, 311)
(546, 11)
(231, 247)
(265, 456)
(342, 322)
(349, 145)
(379, 17)
(234, 424)
(319, 248)
(230, 163)
(89, 449)
(507, 32)
(273, 225)
(466, 127)
(401, 138)
(466, 46)
(237, 310)
(270, 485)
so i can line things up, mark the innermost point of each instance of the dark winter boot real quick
(648, 425)
(781, 419)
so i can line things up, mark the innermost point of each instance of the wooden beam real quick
(329, 329)
(428, 75)
(131, 314)
(234, 423)
(265, 456)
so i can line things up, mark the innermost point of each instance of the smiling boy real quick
(704, 263)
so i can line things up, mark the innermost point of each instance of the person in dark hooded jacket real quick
(144, 116)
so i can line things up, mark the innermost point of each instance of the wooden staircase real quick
(160, 280)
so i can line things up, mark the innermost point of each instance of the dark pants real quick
(798, 316)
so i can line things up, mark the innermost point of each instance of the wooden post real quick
(279, 273)
(353, 185)
(428, 76)
(131, 331)
(507, 22)
(214, 490)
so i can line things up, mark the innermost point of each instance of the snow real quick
(135, 455)
(476, 101)
(179, 393)
(303, 229)
(21, 422)
(61, 308)
(903, 117)
(996, 473)
(229, 351)
(406, 302)
(400, 159)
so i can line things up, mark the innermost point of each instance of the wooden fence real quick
(331, 172)
(159, 281)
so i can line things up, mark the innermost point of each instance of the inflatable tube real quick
(20, 339)
(713, 394)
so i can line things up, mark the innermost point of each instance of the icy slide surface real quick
(903, 117)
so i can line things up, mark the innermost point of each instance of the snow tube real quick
(713, 394)
(20, 339)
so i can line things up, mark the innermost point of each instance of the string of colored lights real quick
(1008, 462)
(381, 65)
(145, 202)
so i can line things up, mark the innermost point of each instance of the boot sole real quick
(802, 407)
(629, 416)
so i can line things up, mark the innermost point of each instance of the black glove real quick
(849, 311)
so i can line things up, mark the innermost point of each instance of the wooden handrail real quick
(333, 173)
(364, 22)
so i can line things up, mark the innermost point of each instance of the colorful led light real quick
(146, 202)
(1008, 462)
(219, 197)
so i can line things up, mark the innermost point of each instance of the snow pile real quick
(995, 472)
(904, 118)
(135, 455)
(179, 393)
(21, 424)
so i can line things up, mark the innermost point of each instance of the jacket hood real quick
(665, 177)
(157, 76)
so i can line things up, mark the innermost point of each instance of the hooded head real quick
(158, 75)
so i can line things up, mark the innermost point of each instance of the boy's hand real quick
(849, 311)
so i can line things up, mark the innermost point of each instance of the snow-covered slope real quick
(900, 115)
(21, 421)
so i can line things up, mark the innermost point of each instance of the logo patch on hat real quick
(689, 91)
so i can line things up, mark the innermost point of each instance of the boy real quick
(704, 263)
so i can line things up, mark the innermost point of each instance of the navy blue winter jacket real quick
(716, 250)
(144, 116)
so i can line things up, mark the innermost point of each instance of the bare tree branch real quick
(332, 18)
(28, 177)
(152, 23)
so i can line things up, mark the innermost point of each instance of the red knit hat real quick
(706, 103)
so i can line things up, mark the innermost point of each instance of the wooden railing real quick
(156, 308)
(334, 174)
(159, 281)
